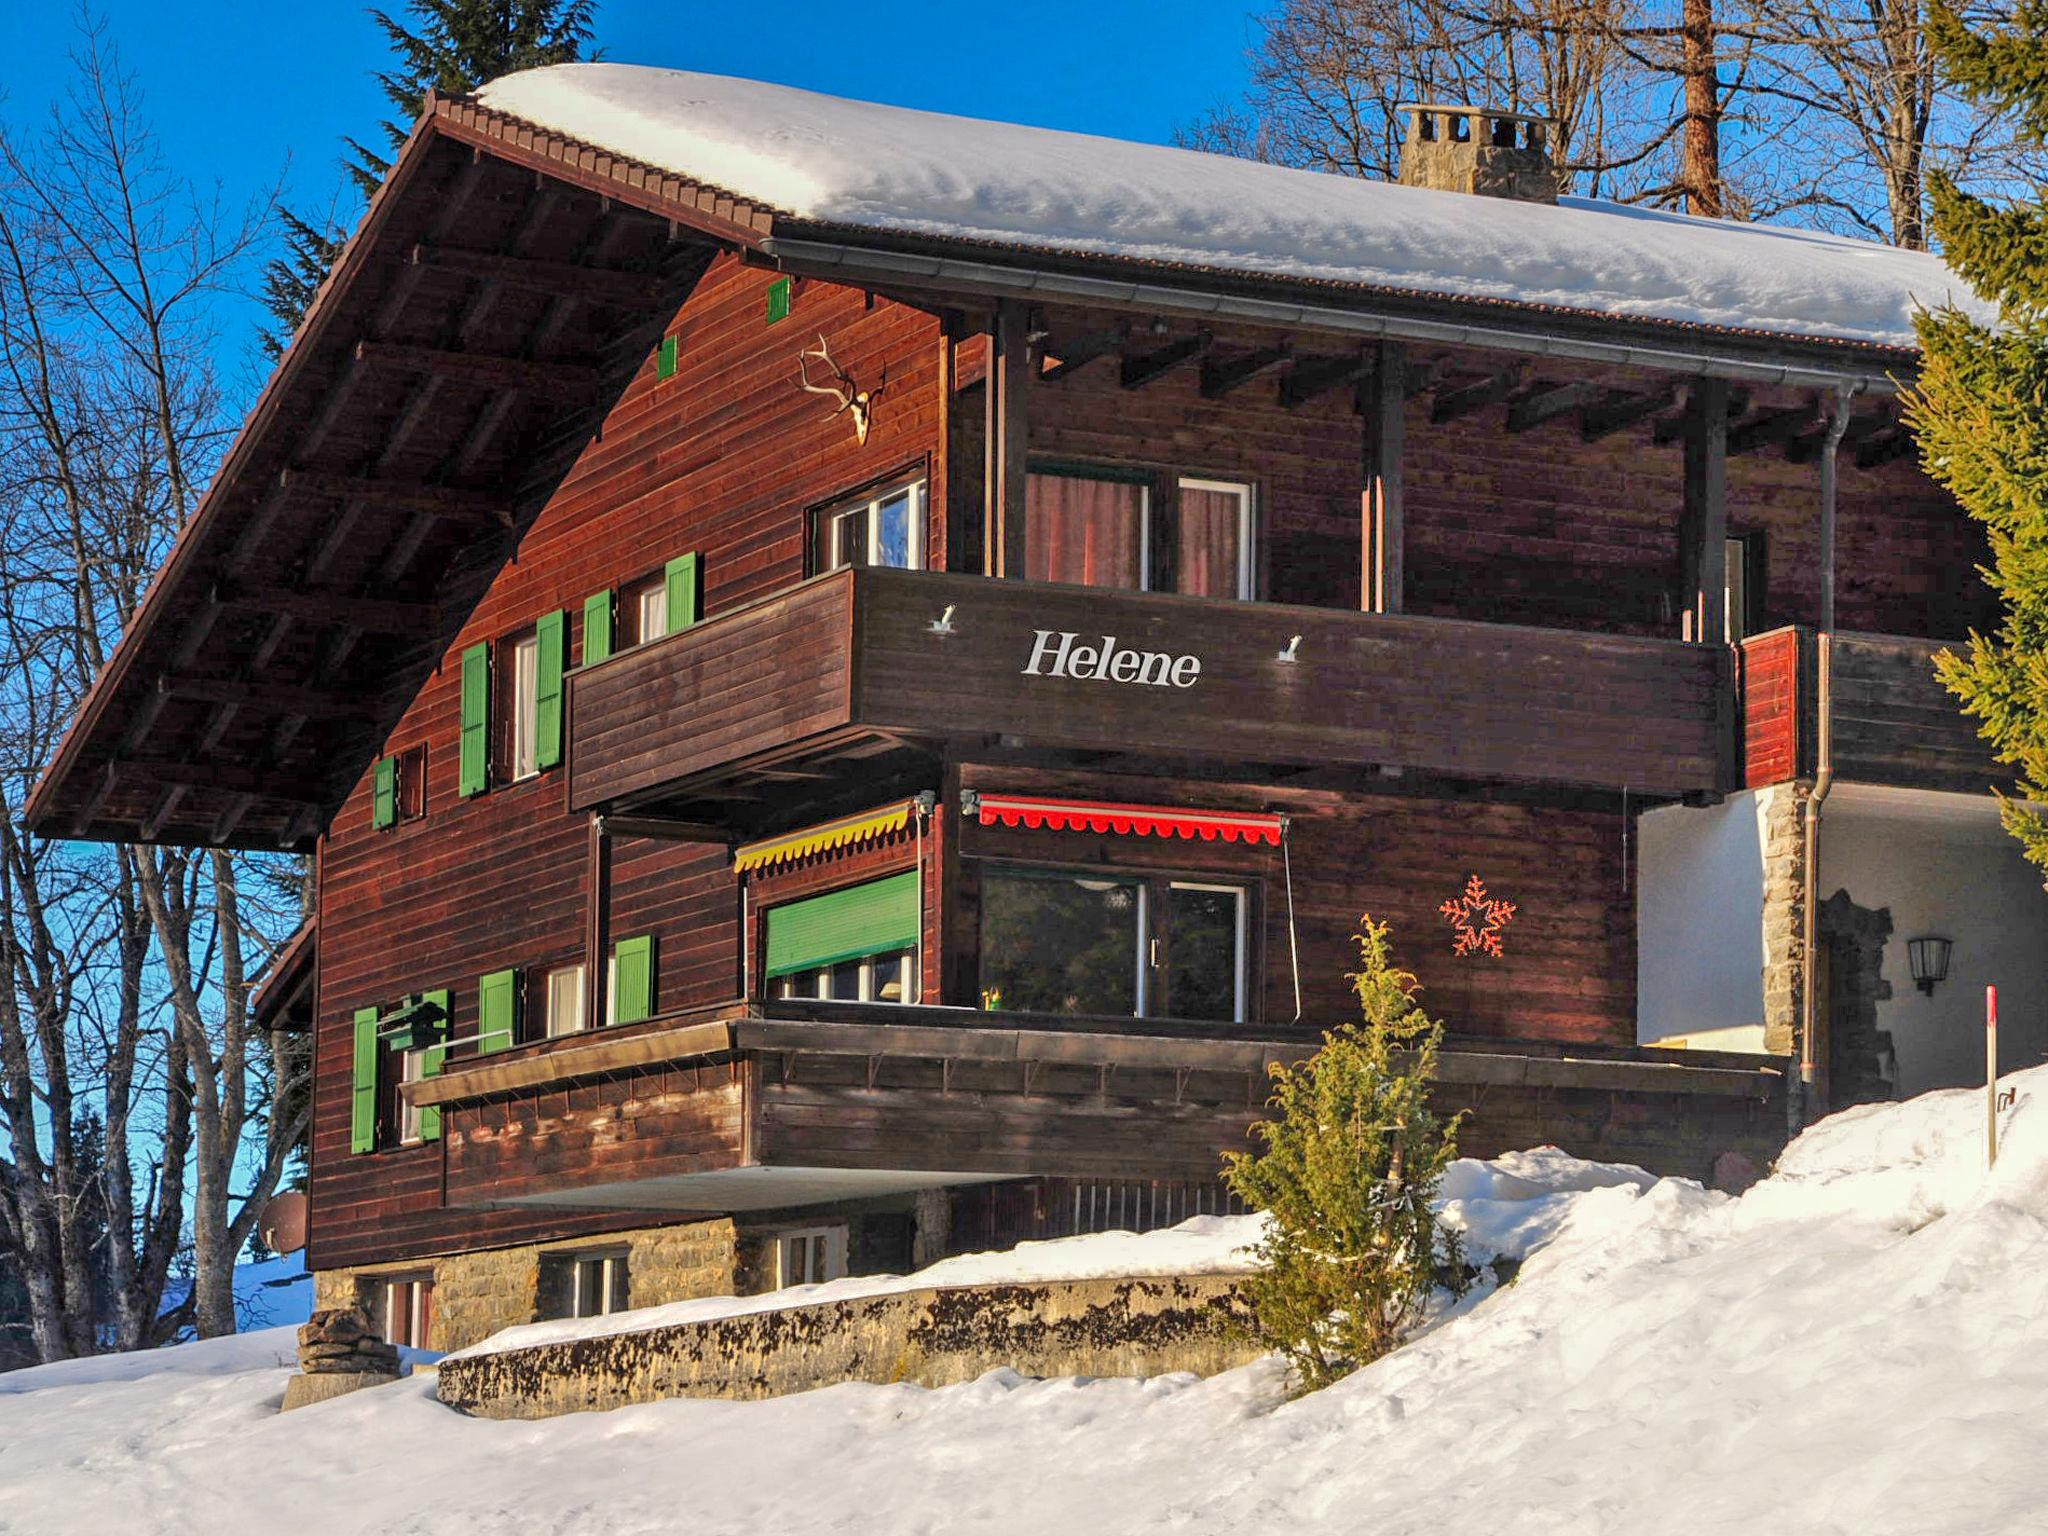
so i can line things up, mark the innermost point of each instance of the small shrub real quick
(1350, 1164)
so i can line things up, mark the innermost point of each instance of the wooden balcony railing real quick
(928, 658)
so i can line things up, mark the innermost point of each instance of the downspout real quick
(1801, 1105)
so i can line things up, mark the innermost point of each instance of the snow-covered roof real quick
(827, 160)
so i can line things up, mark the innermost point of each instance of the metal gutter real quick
(866, 266)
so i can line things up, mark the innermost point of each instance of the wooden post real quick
(1007, 429)
(1991, 1077)
(1703, 527)
(1383, 401)
(943, 543)
(597, 942)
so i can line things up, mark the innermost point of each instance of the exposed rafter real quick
(1220, 375)
(1769, 428)
(1669, 429)
(1312, 376)
(448, 501)
(480, 368)
(1885, 445)
(1864, 425)
(1546, 402)
(1141, 368)
(273, 697)
(219, 778)
(558, 279)
(1450, 404)
(1618, 409)
(375, 615)
(1083, 350)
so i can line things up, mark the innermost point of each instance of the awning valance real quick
(1129, 820)
(846, 832)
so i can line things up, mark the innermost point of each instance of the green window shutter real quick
(476, 720)
(551, 653)
(682, 592)
(362, 1112)
(597, 627)
(384, 797)
(633, 979)
(868, 919)
(497, 1011)
(430, 1061)
(665, 359)
(779, 297)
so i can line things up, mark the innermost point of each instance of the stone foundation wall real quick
(935, 1337)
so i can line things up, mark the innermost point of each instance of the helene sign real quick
(1055, 653)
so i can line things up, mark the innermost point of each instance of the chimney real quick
(1479, 150)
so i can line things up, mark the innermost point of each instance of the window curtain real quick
(1211, 531)
(1083, 531)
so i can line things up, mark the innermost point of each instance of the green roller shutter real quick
(497, 1011)
(633, 979)
(551, 653)
(868, 919)
(384, 797)
(476, 720)
(682, 592)
(597, 627)
(362, 1115)
(430, 1059)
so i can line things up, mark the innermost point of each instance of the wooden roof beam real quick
(1547, 402)
(1669, 429)
(376, 615)
(1221, 375)
(217, 778)
(271, 698)
(1881, 447)
(454, 503)
(568, 280)
(1450, 404)
(1140, 369)
(1619, 409)
(1077, 354)
(1768, 429)
(1312, 376)
(487, 370)
(1863, 426)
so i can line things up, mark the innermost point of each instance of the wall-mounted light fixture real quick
(943, 624)
(1928, 957)
(1293, 651)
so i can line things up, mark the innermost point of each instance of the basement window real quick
(408, 1311)
(597, 1284)
(809, 1256)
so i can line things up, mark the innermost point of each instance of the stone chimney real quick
(1476, 149)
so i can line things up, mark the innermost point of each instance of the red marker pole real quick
(1991, 1076)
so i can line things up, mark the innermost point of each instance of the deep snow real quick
(1859, 1344)
(868, 166)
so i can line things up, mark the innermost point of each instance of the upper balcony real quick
(896, 667)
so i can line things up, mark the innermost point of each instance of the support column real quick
(1781, 834)
(1383, 402)
(597, 943)
(1006, 432)
(1703, 527)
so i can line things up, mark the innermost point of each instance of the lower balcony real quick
(885, 666)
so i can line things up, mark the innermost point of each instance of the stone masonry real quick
(1780, 813)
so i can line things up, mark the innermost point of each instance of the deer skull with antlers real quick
(851, 397)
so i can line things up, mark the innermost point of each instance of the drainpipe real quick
(1801, 1105)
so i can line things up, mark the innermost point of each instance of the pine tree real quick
(1980, 406)
(1349, 1168)
(448, 46)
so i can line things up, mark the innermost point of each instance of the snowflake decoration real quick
(1478, 920)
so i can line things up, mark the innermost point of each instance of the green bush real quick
(1350, 1164)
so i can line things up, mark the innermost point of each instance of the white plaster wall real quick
(1947, 869)
(1699, 919)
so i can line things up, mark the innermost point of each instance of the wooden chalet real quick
(830, 738)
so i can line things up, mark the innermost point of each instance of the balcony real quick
(891, 666)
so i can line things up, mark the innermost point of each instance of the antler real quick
(851, 397)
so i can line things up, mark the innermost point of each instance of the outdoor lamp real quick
(1928, 956)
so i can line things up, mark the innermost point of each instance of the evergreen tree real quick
(1980, 407)
(1350, 1166)
(448, 46)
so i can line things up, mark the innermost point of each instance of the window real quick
(886, 529)
(597, 1284)
(410, 772)
(408, 1311)
(1107, 529)
(857, 945)
(810, 1256)
(1090, 944)
(520, 690)
(885, 978)
(564, 1000)
(645, 611)
(412, 1067)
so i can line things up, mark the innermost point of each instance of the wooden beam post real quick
(1009, 376)
(1703, 526)
(597, 942)
(1383, 400)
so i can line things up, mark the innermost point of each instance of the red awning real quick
(1130, 820)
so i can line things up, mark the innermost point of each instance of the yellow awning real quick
(846, 832)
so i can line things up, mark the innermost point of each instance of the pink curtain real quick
(1089, 532)
(1211, 526)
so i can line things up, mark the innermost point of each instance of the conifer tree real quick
(1980, 406)
(448, 46)
(1347, 1175)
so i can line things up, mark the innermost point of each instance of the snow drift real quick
(1855, 1345)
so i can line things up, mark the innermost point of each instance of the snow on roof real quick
(829, 160)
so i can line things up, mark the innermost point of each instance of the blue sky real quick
(240, 90)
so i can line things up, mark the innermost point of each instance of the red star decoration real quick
(1478, 920)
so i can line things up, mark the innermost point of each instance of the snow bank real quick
(869, 166)
(1858, 1344)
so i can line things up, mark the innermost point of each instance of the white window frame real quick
(566, 1001)
(835, 1254)
(410, 1070)
(415, 1288)
(650, 612)
(608, 1267)
(870, 507)
(1246, 495)
(525, 707)
(819, 980)
(1241, 934)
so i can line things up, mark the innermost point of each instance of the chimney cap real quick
(1468, 110)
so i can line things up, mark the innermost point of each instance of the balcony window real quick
(884, 978)
(885, 529)
(565, 1000)
(1205, 952)
(1131, 529)
(1214, 557)
(854, 945)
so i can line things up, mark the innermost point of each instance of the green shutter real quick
(476, 720)
(597, 627)
(682, 592)
(384, 797)
(362, 1113)
(665, 359)
(497, 1011)
(868, 919)
(551, 653)
(430, 1060)
(633, 979)
(778, 300)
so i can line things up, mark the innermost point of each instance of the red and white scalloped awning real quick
(1130, 820)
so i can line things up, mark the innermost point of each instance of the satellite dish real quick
(283, 1224)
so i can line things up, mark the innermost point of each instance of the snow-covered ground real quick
(1859, 1344)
